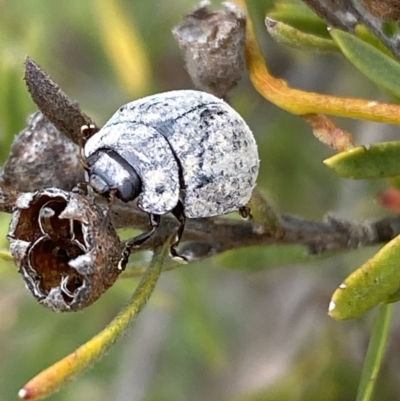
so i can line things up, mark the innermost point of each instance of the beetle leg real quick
(138, 240)
(82, 159)
(245, 213)
(81, 188)
(87, 131)
(110, 197)
(178, 212)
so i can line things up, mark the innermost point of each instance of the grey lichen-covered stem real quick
(211, 236)
(345, 14)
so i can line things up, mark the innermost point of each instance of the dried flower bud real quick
(42, 157)
(65, 247)
(213, 43)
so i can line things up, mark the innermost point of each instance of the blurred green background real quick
(248, 325)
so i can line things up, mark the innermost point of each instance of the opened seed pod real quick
(65, 247)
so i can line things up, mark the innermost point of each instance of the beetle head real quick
(108, 172)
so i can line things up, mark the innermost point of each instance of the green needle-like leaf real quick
(378, 67)
(375, 353)
(366, 36)
(375, 161)
(287, 35)
(300, 17)
(369, 285)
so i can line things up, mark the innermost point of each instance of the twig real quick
(346, 14)
(211, 236)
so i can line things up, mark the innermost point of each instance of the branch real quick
(207, 237)
(203, 237)
(211, 236)
(345, 14)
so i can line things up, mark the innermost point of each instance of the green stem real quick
(56, 376)
(5, 255)
(375, 353)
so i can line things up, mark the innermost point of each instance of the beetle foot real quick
(179, 213)
(132, 244)
(129, 247)
(124, 258)
(80, 188)
(245, 213)
(176, 257)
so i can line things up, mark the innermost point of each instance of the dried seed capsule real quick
(213, 45)
(42, 157)
(185, 152)
(65, 248)
(8, 197)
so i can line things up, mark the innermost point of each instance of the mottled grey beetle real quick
(185, 152)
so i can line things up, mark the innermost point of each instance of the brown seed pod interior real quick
(65, 247)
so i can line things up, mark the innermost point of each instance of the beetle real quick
(186, 152)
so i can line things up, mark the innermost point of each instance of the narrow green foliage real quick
(369, 285)
(299, 17)
(57, 375)
(375, 161)
(365, 35)
(377, 66)
(375, 354)
(287, 35)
